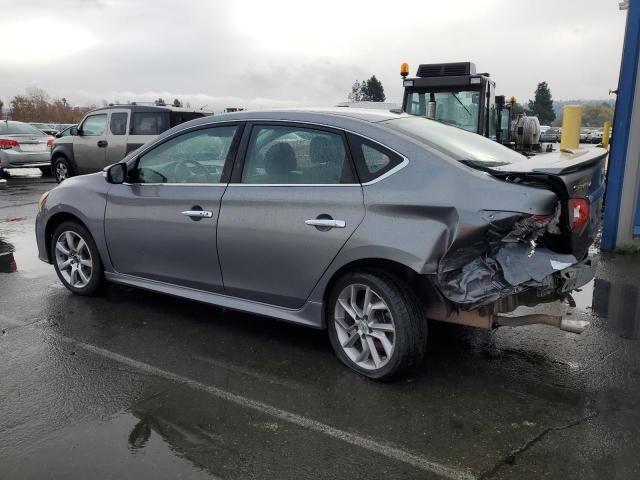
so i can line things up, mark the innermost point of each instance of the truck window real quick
(180, 117)
(94, 125)
(118, 123)
(150, 123)
(459, 109)
(493, 113)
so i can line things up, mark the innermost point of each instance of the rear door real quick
(161, 224)
(90, 145)
(117, 136)
(292, 204)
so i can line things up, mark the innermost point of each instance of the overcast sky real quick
(283, 53)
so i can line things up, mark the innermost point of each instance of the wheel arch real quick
(54, 222)
(63, 153)
(422, 285)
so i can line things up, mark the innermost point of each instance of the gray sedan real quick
(24, 146)
(365, 223)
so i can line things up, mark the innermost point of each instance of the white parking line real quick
(380, 448)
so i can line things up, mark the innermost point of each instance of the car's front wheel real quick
(376, 324)
(76, 259)
(61, 169)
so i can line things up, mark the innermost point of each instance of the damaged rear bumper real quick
(555, 286)
(515, 275)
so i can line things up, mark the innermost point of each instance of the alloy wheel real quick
(365, 326)
(62, 172)
(73, 259)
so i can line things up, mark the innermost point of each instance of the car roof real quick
(329, 114)
(148, 108)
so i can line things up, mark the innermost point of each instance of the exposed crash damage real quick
(530, 259)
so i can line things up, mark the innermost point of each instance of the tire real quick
(62, 169)
(46, 171)
(401, 320)
(82, 255)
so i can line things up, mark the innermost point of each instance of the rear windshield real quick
(467, 147)
(19, 128)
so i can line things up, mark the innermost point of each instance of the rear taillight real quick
(578, 213)
(7, 144)
(50, 143)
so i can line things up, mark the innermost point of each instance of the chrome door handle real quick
(198, 213)
(316, 222)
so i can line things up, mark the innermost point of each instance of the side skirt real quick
(310, 314)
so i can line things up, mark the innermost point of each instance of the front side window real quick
(118, 123)
(459, 109)
(194, 157)
(94, 125)
(292, 155)
(150, 123)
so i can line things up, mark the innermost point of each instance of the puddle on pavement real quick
(124, 446)
(616, 301)
(618, 304)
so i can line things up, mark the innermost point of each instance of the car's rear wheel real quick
(62, 169)
(46, 171)
(376, 324)
(76, 259)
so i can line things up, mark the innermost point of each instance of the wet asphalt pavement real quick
(133, 384)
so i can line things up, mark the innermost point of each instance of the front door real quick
(288, 214)
(90, 145)
(161, 223)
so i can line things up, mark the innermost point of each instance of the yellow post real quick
(605, 134)
(571, 121)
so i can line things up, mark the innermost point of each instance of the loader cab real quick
(453, 93)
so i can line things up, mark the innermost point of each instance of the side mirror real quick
(74, 131)
(117, 173)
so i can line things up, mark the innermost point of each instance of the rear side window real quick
(180, 117)
(150, 123)
(118, 123)
(372, 160)
(296, 155)
(94, 125)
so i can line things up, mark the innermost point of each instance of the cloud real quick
(291, 53)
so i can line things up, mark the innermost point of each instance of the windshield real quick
(19, 128)
(454, 108)
(469, 148)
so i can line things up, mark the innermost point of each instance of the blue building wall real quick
(622, 134)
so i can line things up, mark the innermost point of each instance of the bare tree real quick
(36, 106)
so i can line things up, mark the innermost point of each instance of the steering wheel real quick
(189, 168)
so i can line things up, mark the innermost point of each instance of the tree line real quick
(367, 91)
(594, 114)
(37, 106)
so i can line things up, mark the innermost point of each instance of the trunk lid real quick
(577, 178)
(30, 143)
